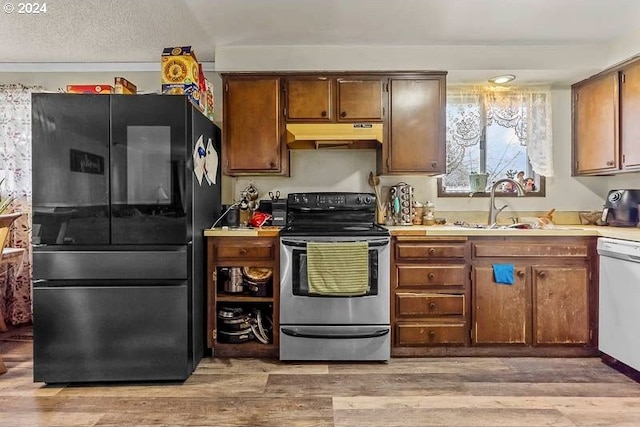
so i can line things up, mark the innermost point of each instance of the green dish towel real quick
(340, 269)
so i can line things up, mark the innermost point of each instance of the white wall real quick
(529, 63)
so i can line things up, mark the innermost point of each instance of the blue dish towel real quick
(503, 273)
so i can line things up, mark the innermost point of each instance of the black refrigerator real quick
(123, 187)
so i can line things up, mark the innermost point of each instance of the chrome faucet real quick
(493, 210)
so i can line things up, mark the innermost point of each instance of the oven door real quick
(297, 307)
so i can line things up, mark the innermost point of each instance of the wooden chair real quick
(5, 226)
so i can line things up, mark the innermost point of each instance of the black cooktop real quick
(332, 214)
(334, 229)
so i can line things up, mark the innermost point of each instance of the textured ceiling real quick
(414, 22)
(100, 31)
(115, 31)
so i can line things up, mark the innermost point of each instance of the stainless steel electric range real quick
(334, 325)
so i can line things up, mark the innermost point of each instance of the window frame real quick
(441, 191)
(538, 193)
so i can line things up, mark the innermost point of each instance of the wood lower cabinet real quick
(227, 256)
(253, 134)
(561, 304)
(500, 312)
(550, 302)
(416, 124)
(429, 282)
(429, 334)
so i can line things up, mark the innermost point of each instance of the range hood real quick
(334, 135)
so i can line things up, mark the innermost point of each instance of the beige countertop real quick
(242, 232)
(562, 230)
(454, 230)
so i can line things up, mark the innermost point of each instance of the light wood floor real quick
(405, 392)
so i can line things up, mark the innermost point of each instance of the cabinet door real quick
(359, 99)
(309, 99)
(629, 113)
(416, 131)
(499, 310)
(561, 305)
(253, 127)
(596, 125)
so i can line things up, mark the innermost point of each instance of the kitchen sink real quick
(515, 227)
(490, 227)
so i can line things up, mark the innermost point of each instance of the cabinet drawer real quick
(250, 251)
(408, 250)
(413, 334)
(430, 275)
(425, 305)
(530, 250)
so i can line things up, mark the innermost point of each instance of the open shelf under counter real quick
(243, 298)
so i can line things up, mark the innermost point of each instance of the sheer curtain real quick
(15, 167)
(525, 109)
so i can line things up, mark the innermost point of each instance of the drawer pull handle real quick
(432, 306)
(432, 335)
(432, 251)
(542, 273)
(243, 251)
(323, 114)
(520, 273)
(431, 276)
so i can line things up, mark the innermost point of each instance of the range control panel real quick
(331, 201)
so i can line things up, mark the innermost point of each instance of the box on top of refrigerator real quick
(179, 67)
(124, 86)
(90, 89)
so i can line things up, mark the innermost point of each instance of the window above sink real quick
(494, 133)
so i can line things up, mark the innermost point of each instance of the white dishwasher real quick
(619, 300)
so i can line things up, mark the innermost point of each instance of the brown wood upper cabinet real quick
(606, 133)
(359, 99)
(416, 125)
(253, 131)
(323, 98)
(629, 113)
(595, 127)
(309, 99)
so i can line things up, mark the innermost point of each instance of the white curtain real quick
(525, 109)
(15, 167)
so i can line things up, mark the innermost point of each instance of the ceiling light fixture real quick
(505, 78)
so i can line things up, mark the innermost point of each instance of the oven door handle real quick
(374, 334)
(303, 243)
